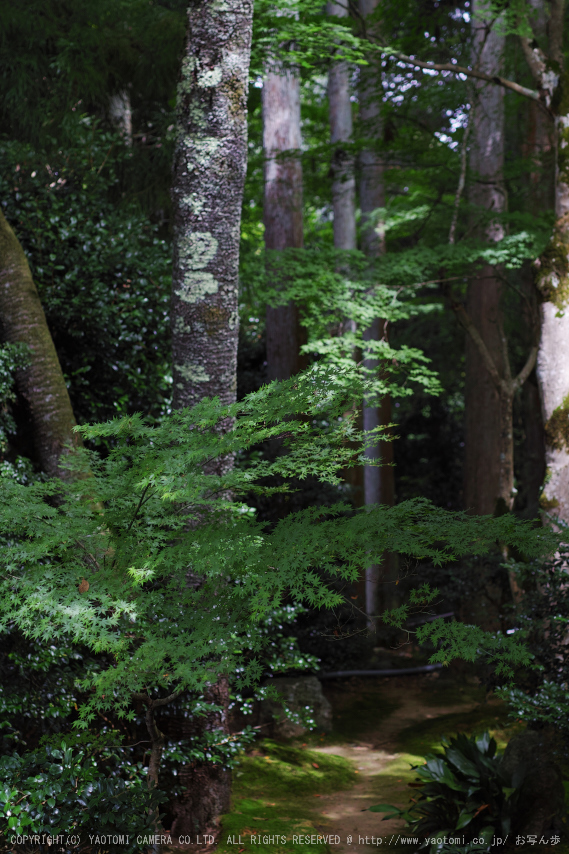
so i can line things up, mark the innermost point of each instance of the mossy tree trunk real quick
(379, 487)
(283, 215)
(41, 384)
(552, 268)
(208, 177)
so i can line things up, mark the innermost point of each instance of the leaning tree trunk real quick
(282, 212)
(378, 480)
(488, 463)
(208, 178)
(41, 384)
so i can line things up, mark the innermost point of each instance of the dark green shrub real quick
(463, 793)
(67, 789)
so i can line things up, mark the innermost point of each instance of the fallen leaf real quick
(315, 765)
(84, 586)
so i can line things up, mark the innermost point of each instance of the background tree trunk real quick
(120, 113)
(209, 173)
(379, 487)
(282, 211)
(344, 195)
(341, 131)
(484, 420)
(41, 384)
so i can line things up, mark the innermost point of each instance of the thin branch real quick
(89, 556)
(144, 491)
(467, 324)
(533, 94)
(461, 182)
(155, 704)
(527, 368)
(505, 357)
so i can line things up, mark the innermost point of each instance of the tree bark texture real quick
(488, 465)
(282, 212)
(207, 787)
(120, 114)
(209, 171)
(41, 384)
(208, 177)
(341, 132)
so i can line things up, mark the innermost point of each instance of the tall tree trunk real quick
(378, 481)
(282, 211)
(537, 148)
(208, 178)
(41, 384)
(488, 465)
(344, 195)
(552, 268)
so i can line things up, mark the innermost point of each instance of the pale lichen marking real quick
(193, 373)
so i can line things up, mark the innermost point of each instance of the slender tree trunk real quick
(537, 147)
(344, 196)
(378, 481)
(282, 212)
(41, 384)
(341, 131)
(488, 465)
(208, 178)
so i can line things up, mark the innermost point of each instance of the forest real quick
(284, 426)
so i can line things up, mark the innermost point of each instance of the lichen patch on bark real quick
(552, 278)
(557, 427)
(193, 373)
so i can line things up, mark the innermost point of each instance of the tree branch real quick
(461, 181)
(527, 368)
(533, 94)
(467, 324)
(535, 60)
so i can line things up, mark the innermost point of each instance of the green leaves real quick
(63, 787)
(179, 577)
(463, 789)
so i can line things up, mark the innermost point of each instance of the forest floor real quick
(287, 795)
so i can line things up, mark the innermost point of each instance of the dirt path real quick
(383, 770)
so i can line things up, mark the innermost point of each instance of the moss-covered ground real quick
(274, 799)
